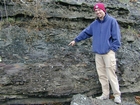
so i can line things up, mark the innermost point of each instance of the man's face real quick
(99, 13)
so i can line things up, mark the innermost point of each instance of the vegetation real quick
(34, 15)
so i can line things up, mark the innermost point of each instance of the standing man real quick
(105, 33)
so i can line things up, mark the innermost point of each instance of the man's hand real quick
(72, 43)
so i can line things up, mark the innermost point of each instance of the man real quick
(105, 33)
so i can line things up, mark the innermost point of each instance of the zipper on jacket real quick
(101, 34)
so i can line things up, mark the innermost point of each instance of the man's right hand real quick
(72, 43)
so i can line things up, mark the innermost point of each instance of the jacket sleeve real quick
(86, 33)
(116, 36)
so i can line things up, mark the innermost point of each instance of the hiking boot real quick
(117, 99)
(102, 97)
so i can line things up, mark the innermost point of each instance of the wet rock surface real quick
(37, 63)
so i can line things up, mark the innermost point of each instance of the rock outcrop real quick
(36, 61)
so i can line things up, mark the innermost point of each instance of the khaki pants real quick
(106, 67)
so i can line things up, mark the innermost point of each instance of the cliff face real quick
(36, 60)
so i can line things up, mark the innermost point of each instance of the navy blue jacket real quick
(105, 35)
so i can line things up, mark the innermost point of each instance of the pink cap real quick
(100, 6)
